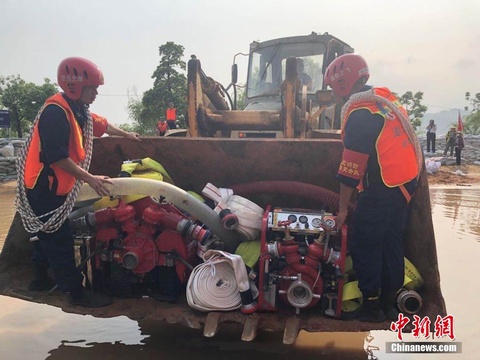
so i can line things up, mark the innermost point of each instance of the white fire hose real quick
(172, 194)
(236, 212)
(221, 284)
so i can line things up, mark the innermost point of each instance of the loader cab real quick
(267, 67)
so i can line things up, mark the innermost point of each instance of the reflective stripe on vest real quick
(395, 153)
(76, 151)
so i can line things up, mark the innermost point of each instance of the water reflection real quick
(30, 331)
(462, 206)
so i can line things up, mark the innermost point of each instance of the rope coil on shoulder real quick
(31, 222)
(370, 95)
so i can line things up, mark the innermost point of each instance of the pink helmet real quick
(344, 72)
(74, 73)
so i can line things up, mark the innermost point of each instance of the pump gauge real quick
(316, 222)
(329, 222)
(292, 218)
(303, 219)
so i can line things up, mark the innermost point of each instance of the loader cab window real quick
(261, 78)
(309, 70)
(268, 64)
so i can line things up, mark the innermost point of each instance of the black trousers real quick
(377, 245)
(458, 155)
(431, 141)
(55, 249)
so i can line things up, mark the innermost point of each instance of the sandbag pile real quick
(9, 150)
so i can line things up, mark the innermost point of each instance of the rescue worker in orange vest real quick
(381, 158)
(102, 126)
(53, 163)
(171, 116)
(162, 127)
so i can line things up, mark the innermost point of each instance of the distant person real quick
(171, 116)
(381, 158)
(102, 126)
(450, 141)
(304, 78)
(431, 135)
(459, 145)
(162, 127)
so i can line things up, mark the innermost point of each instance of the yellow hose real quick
(352, 295)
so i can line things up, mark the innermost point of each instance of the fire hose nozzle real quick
(409, 301)
(229, 220)
(249, 306)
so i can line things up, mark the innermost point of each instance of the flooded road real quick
(35, 331)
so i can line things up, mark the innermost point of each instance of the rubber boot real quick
(371, 310)
(41, 281)
(388, 303)
(86, 298)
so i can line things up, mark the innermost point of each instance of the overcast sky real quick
(419, 45)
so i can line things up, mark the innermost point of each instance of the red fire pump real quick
(141, 243)
(302, 260)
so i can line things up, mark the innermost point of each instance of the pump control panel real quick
(300, 220)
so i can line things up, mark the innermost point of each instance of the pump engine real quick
(302, 260)
(144, 248)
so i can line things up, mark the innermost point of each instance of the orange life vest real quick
(162, 126)
(395, 153)
(76, 151)
(171, 114)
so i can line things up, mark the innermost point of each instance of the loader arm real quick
(210, 116)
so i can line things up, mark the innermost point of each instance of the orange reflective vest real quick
(33, 165)
(395, 153)
(162, 126)
(171, 114)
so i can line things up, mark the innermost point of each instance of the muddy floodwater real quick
(35, 331)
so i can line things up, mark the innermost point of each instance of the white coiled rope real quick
(370, 95)
(215, 285)
(30, 220)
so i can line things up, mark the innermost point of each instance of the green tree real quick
(169, 85)
(471, 122)
(135, 108)
(23, 100)
(413, 105)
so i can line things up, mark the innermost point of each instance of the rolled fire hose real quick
(221, 284)
(236, 212)
(171, 194)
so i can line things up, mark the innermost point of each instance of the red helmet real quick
(74, 73)
(344, 72)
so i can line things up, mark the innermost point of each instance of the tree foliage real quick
(471, 122)
(169, 84)
(413, 104)
(23, 100)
